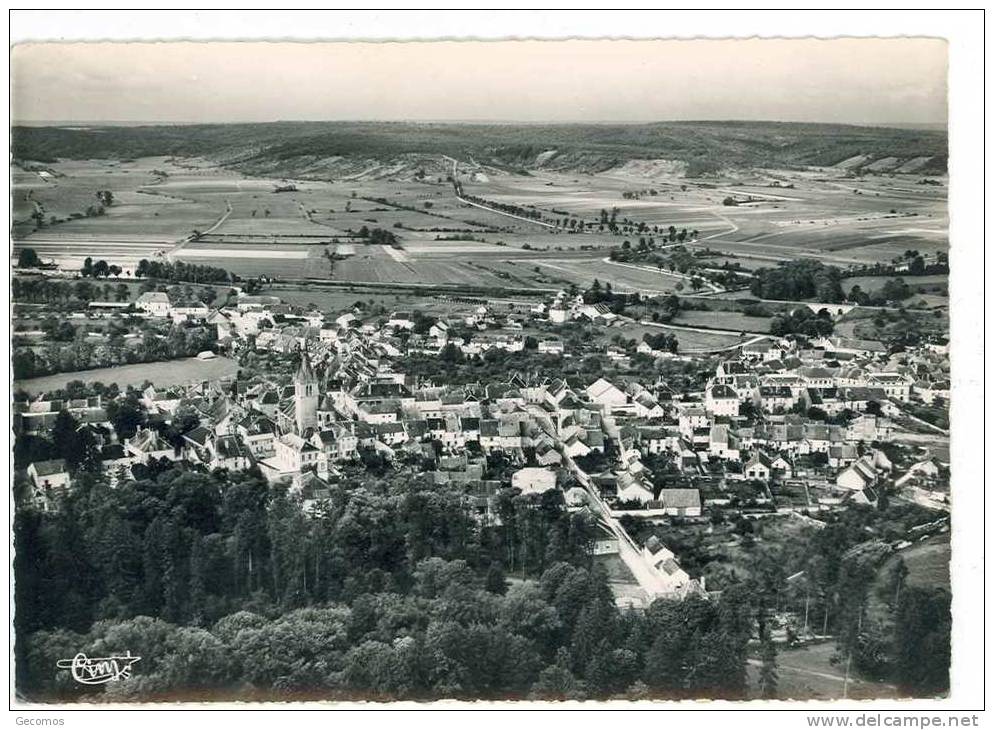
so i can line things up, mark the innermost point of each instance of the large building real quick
(305, 395)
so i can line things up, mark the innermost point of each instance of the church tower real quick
(305, 395)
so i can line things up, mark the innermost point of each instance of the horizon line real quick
(600, 122)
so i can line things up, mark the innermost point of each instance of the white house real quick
(294, 453)
(551, 346)
(723, 443)
(857, 477)
(632, 489)
(722, 400)
(189, 311)
(681, 502)
(48, 475)
(155, 303)
(147, 444)
(401, 321)
(758, 467)
(895, 385)
(604, 393)
(692, 418)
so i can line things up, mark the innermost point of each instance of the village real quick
(513, 364)
(779, 426)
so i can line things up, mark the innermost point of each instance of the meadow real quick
(722, 321)
(163, 374)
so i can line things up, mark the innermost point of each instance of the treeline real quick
(182, 271)
(77, 352)
(99, 269)
(799, 280)
(915, 265)
(518, 210)
(391, 590)
(61, 291)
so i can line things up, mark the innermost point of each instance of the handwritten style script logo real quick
(98, 670)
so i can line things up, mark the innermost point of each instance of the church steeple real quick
(305, 373)
(305, 394)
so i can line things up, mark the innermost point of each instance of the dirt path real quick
(221, 220)
(455, 165)
(734, 228)
(217, 224)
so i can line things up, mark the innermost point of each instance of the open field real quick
(143, 208)
(927, 562)
(928, 283)
(808, 673)
(172, 372)
(622, 278)
(722, 321)
(689, 340)
(840, 215)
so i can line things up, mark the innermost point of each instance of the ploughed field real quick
(193, 210)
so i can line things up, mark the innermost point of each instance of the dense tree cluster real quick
(182, 271)
(99, 269)
(378, 236)
(922, 641)
(70, 350)
(27, 258)
(661, 341)
(391, 589)
(799, 280)
(802, 321)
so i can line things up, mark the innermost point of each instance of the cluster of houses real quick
(773, 419)
(564, 308)
(161, 304)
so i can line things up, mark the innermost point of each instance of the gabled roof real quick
(228, 447)
(758, 458)
(600, 387)
(816, 373)
(47, 468)
(149, 440)
(722, 392)
(112, 452)
(157, 297)
(197, 436)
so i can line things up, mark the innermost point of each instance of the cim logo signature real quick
(98, 670)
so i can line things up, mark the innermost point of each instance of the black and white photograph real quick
(520, 371)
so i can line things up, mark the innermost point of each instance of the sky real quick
(854, 80)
